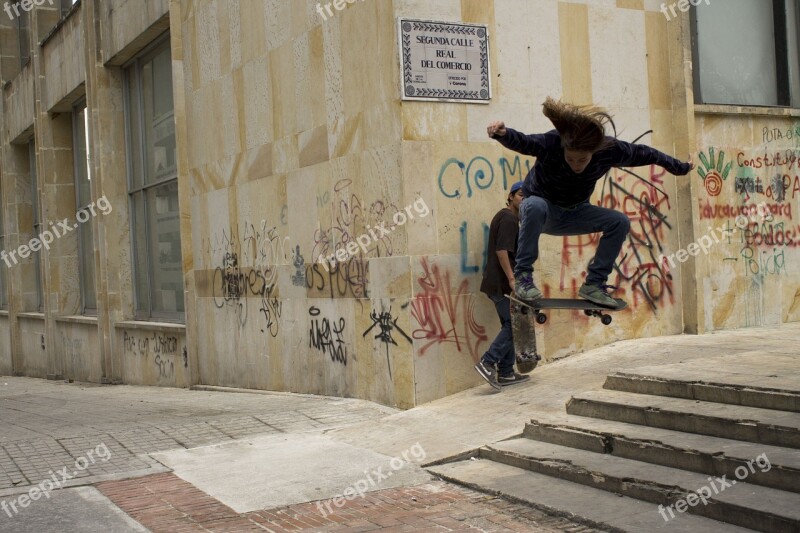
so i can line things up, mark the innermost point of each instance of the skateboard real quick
(589, 308)
(523, 328)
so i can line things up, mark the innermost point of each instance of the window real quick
(23, 33)
(153, 186)
(3, 265)
(746, 52)
(83, 193)
(66, 5)
(37, 227)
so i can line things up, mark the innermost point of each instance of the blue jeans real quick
(538, 216)
(501, 352)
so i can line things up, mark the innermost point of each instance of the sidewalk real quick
(216, 461)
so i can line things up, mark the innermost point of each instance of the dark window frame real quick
(3, 266)
(134, 66)
(86, 226)
(24, 44)
(783, 83)
(37, 225)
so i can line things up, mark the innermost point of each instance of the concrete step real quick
(769, 466)
(782, 394)
(732, 501)
(579, 503)
(752, 424)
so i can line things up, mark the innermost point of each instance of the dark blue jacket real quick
(553, 179)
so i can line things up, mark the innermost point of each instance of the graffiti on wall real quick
(714, 171)
(352, 217)
(478, 174)
(345, 279)
(162, 348)
(327, 336)
(767, 183)
(466, 267)
(445, 314)
(247, 262)
(385, 323)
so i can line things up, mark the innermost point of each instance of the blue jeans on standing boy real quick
(501, 352)
(538, 216)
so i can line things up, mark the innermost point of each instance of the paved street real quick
(159, 459)
(106, 435)
(50, 425)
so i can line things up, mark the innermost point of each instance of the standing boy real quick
(497, 364)
(569, 161)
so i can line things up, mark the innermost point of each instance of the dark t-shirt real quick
(503, 233)
(553, 179)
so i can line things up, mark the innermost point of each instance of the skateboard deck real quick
(522, 326)
(589, 308)
(523, 323)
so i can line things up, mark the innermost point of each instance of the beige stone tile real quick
(277, 13)
(258, 104)
(434, 121)
(285, 154)
(576, 53)
(631, 4)
(381, 124)
(258, 162)
(420, 9)
(617, 83)
(390, 277)
(281, 64)
(419, 190)
(313, 146)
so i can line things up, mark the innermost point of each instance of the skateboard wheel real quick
(606, 319)
(524, 310)
(541, 318)
(587, 312)
(527, 362)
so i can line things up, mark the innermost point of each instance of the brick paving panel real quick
(10, 474)
(166, 503)
(104, 454)
(242, 426)
(36, 460)
(145, 440)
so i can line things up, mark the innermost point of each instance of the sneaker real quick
(524, 288)
(512, 378)
(599, 294)
(488, 372)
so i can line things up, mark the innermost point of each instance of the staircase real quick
(657, 451)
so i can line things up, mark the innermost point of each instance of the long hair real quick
(582, 128)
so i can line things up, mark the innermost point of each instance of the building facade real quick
(173, 170)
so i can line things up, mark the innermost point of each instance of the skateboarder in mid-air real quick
(498, 280)
(569, 162)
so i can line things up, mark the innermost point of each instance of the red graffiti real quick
(444, 315)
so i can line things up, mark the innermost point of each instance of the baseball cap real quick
(517, 186)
